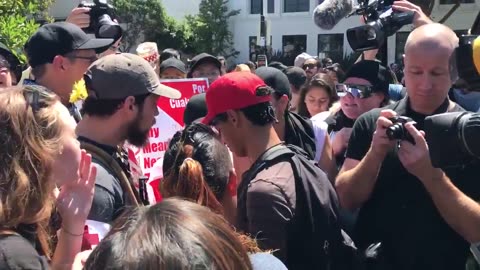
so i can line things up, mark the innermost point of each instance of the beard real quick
(136, 136)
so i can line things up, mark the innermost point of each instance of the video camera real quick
(453, 137)
(102, 22)
(380, 22)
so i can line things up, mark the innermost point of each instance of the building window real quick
(331, 45)
(296, 5)
(452, 2)
(294, 45)
(254, 49)
(255, 6)
(271, 6)
(400, 40)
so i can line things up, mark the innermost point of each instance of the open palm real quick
(75, 198)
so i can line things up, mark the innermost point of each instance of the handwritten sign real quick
(168, 121)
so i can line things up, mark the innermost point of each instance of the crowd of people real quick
(277, 167)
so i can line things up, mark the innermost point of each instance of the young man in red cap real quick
(239, 107)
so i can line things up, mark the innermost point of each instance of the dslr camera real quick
(380, 22)
(102, 22)
(397, 131)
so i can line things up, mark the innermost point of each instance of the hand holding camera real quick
(381, 143)
(419, 18)
(80, 16)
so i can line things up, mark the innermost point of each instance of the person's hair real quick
(38, 71)
(261, 114)
(30, 132)
(325, 61)
(197, 166)
(173, 234)
(251, 65)
(338, 71)
(320, 80)
(169, 53)
(104, 107)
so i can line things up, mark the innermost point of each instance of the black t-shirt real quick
(108, 200)
(17, 251)
(400, 213)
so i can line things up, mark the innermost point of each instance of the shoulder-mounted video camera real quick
(380, 22)
(102, 22)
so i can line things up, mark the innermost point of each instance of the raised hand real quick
(80, 17)
(75, 198)
(419, 18)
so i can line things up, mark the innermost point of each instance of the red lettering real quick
(148, 162)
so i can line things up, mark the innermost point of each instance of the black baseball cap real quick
(195, 110)
(201, 59)
(275, 79)
(173, 63)
(296, 76)
(60, 38)
(278, 66)
(374, 72)
(13, 61)
(121, 75)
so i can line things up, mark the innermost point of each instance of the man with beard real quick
(123, 90)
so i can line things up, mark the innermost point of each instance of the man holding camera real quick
(421, 215)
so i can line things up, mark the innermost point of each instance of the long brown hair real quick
(320, 80)
(173, 234)
(197, 166)
(30, 131)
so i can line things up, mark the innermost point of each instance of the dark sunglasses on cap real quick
(358, 91)
(310, 66)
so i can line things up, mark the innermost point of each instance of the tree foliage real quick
(19, 20)
(210, 28)
(146, 20)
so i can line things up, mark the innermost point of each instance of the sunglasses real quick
(358, 91)
(310, 66)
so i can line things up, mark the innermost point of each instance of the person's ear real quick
(129, 104)
(232, 184)
(60, 63)
(284, 100)
(234, 117)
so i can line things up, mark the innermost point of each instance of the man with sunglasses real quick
(365, 88)
(59, 54)
(311, 67)
(425, 217)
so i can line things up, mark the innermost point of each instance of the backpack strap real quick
(109, 162)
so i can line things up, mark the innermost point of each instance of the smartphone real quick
(261, 60)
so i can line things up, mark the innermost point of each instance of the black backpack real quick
(315, 239)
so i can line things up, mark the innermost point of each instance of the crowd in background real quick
(278, 167)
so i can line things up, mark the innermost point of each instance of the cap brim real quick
(167, 91)
(98, 44)
(207, 120)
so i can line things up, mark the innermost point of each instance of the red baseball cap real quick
(234, 91)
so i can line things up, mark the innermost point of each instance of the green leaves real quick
(18, 22)
(210, 28)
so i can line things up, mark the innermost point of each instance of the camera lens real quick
(395, 132)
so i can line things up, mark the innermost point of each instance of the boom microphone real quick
(330, 12)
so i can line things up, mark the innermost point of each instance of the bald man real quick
(424, 217)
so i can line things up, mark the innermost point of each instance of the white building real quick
(290, 22)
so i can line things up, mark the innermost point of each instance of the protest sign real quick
(168, 121)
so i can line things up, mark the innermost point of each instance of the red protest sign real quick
(188, 87)
(167, 122)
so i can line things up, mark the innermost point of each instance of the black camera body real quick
(102, 22)
(397, 131)
(380, 22)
